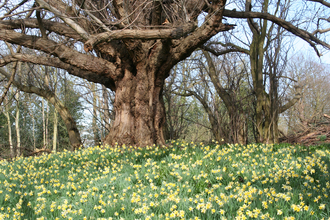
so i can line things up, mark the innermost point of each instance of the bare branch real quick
(98, 21)
(10, 81)
(59, 28)
(322, 2)
(14, 8)
(40, 24)
(55, 62)
(293, 101)
(308, 37)
(67, 20)
(21, 12)
(321, 31)
(224, 51)
(65, 54)
(173, 33)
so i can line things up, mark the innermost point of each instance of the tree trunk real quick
(18, 135)
(139, 108)
(17, 96)
(11, 147)
(55, 130)
(33, 130)
(43, 123)
(106, 109)
(237, 126)
(55, 116)
(235, 112)
(94, 122)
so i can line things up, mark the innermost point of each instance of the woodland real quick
(80, 73)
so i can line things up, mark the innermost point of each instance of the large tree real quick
(129, 47)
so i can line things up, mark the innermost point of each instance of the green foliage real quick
(322, 137)
(183, 180)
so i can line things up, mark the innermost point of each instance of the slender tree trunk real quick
(33, 131)
(94, 122)
(101, 110)
(43, 122)
(237, 126)
(17, 121)
(236, 133)
(55, 130)
(47, 120)
(11, 147)
(55, 116)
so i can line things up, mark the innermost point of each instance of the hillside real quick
(183, 181)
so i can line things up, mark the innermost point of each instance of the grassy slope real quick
(183, 181)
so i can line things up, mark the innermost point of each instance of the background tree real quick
(176, 108)
(219, 85)
(308, 115)
(266, 64)
(35, 123)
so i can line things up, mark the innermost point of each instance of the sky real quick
(302, 47)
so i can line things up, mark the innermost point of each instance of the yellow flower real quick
(322, 206)
(279, 212)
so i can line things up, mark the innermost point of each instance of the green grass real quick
(183, 181)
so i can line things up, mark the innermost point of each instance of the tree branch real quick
(66, 19)
(11, 79)
(321, 31)
(224, 51)
(40, 24)
(322, 2)
(308, 37)
(55, 62)
(65, 54)
(212, 25)
(59, 28)
(14, 8)
(293, 101)
(173, 33)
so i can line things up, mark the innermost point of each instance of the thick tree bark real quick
(106, 110)
(139, 108)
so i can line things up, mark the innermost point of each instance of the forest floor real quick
(182, 181)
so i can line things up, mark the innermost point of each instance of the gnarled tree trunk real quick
(139, 107)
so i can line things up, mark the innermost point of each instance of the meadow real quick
(182, 181)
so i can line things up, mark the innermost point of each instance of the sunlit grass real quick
(183, 181)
